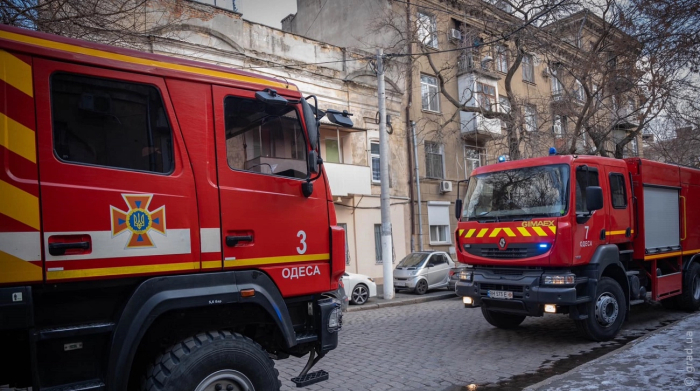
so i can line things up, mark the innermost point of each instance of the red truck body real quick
(534, 246)
(126, 174)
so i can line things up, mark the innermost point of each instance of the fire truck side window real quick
(110, 123)
(581, 176)
(264, 139)
(618, 194)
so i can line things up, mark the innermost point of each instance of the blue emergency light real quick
(552, 151)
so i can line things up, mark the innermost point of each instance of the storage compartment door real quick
(661, 218)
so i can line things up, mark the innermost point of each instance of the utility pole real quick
(387, 246)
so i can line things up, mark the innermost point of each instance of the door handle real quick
(232, 241)
(60, 248)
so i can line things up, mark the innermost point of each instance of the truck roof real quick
(76, 50)
(549, 160)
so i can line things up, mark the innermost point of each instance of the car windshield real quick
(413, 260)
(521, 193)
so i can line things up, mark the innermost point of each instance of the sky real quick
(267, 12)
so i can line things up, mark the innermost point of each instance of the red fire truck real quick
(580, 235)
(164, 224)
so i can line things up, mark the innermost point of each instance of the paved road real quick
(440, 345)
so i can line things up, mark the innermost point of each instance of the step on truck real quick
(579, 235)
(164, 224)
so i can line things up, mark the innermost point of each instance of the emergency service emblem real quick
(138, 220)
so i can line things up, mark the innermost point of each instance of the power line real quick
(317, 14)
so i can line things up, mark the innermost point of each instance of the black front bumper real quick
(529, 296)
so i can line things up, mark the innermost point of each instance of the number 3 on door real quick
(302, 235)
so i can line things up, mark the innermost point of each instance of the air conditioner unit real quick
(455, 35)
(445, 187)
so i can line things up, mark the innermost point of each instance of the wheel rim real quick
(226, 380)
(696, 287)
(360, 294)
(606, 309)
(422, 286)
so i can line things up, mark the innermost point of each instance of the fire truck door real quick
(117, 195)
(589, 231)
(619, 229)
(266, 220)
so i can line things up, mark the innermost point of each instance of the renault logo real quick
(502, 243)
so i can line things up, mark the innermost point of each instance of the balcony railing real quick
(476, 126)
(347, 179)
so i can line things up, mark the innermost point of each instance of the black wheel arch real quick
(160, 295)
(605, 262)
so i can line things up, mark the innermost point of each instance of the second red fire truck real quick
(581, 235)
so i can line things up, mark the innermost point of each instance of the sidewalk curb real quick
(423, 299)
(548, 381)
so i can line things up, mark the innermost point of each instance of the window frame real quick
(436, 96)
(528, 62)
(482, 96)
(163, 102)
(372, 156)
(429, 30)
(441, 148)
(501, 55)
(612, 190)
(444, 229)
(527, 115)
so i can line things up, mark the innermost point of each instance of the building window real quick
(486, 96)
(427, 30)
(501, 59)
(579, 92)
(504, 107)
(559, 126)
(473, 158)
(439, 221)
(378, 242)
(374, 152)
(430, 93)
(332, 150)
(530, 118)
(434, 163)
(598, 96)
(557, 88)
(618, 194)
(110, 123)
(635, 147)
(528, 69)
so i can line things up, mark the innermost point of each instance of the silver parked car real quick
(421, 271)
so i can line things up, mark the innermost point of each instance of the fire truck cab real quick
(164, 224)
(580, 235)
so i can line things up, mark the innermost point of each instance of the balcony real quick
(476, 127)
(468, 63)
(625, 118)
(347, 179)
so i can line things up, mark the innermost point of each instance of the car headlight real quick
(466, 275)
(559, 279)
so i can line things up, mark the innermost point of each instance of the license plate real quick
(500, 294)
(399, 283)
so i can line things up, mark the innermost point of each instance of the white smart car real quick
(359, 287)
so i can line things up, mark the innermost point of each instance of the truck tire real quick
(689, 300)
(606, 312)
(213, 358)
(501, 320)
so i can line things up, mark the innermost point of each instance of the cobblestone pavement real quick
(439, 345)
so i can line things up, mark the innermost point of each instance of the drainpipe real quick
(409, 123)
(420, 208)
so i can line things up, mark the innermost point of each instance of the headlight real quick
(414, 272)
(466, 275)
(559, 279)
(335, 320)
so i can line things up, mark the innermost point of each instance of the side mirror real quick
(338, 118)
(314, 161)
(458, 208)
(311, 123)
(594, 198)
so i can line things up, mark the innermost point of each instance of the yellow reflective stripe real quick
(16, 73)
(482, 233)
(524, 231)
(539, 231)
(470, 232)
(19, 205)
(616, 232)
(460, 232)
(666, 255)
(272, 260)
(17, 138)
(553, 229)
(17, 270)
(211, 264)
(494, 232)
(509, 232)
(137, 60)
(120, 270)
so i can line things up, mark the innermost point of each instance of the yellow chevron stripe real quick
(494, 232)
(539, 231)
(470, 232)
(460, 232)
(509, 232)
(273, 260)
(16, 73)
(524, 231)
(553, 229)
(137, 60)
(120, 270)
(19, 205)
(17, 138)
(482, 233)
(18, 270)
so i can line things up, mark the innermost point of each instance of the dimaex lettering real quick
(301, 271)
(547, 223)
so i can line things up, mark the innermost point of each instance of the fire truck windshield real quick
(518, 194)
